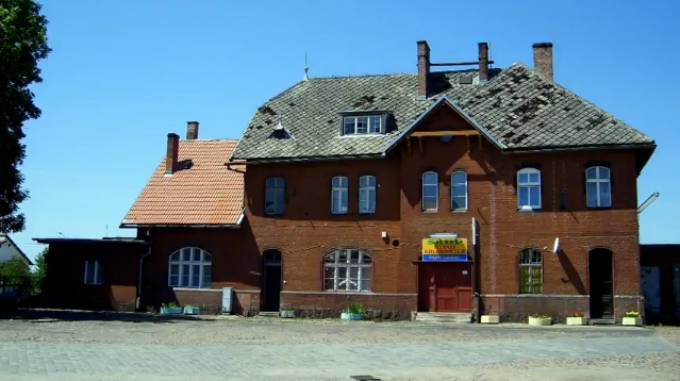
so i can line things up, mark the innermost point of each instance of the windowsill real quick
(459, 210)
(205, 289)
(348, 292)
(361, 135)
(430, 211)
(520, 210)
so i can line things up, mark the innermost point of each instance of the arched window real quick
(339, 195)
(598, 187)
(190, 267)
(274, 195)
(430, 192)
(530, 271)
(529, 188)
(367, 186)
(347, 270)
(459, 190)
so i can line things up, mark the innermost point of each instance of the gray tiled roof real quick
(518, 108)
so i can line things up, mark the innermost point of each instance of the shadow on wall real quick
(573, 276)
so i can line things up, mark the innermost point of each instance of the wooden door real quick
(445, 287)
(271, 279)
(601, 285)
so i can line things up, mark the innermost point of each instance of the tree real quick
(40, 271)
(16, 272)
(23, 42)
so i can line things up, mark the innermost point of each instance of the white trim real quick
(204, 261)
(344, 283)
(369, 123)
(367, 189)
(529, 185)
(466, 183)
(343, 194)
(598, 184)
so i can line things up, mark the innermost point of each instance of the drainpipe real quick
(139, 279)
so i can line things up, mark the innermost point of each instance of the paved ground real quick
(82, 346)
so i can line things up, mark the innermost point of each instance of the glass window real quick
(375, 125)
(430, 191)
(459, 190)
(339, 195)
(348, 125)
(347, 270)
(94, 273)
(190, 267)
(530, 271)
(598, 187)
(529, 188)
(362, 125)
(367, 186)
(274, 195)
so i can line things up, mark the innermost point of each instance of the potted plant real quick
(632, 318)
(191, 310)
(171, 308)
(353, 312)
(540, 319)
(490, 319)
(577, 318)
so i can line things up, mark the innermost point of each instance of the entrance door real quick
(271, 279)
(601, 286)
(445, 287)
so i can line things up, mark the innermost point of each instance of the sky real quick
(122, 74)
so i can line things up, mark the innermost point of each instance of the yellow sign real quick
(443, 246)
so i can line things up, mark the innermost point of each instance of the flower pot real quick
(171, 310)
(490, 319)
(192, 310)
(289, 314)
(540, 320)
(577, 320)
(632, 321)
(351, 316)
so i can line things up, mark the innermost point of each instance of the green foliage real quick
(16, 272)
(39, 271)
(632, 314)
(23, 42)
(540, 316)
(355, 308)
(170, 305)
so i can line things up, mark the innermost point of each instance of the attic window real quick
(363, 124)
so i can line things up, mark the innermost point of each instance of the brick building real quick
(483, 191)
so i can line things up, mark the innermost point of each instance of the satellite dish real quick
(556, 246)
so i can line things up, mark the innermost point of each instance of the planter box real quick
(350, 316)
(171, 310)
(577, 320)
(490, 319)
(540, 320)
(192, 310)
(288, 314)
(632, 321)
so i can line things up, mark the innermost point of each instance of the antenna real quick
(306, 68)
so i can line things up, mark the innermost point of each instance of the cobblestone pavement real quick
(90, 346)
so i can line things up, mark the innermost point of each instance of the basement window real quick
(362, 124)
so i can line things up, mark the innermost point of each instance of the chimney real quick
(543, 60)
(423, 68)
(192, 130)
(483, 61)
(171, 156)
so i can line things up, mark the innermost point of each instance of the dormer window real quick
(362, 124)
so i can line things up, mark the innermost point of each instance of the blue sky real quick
(124, 74)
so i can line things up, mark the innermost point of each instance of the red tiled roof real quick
(207, 193)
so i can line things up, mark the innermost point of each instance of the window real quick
(367, 186)
(274, 195)
(430, 192)
(459, 190)
(190, 267)
(93, 272)
(362, 125)
(347, 270)
(339, 195)
(530, 271)
(529, 188)
(598, 187)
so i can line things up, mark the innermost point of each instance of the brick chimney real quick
(483, 61)
(192, 130)
(543, 60)
(423, 68)
(171, 155)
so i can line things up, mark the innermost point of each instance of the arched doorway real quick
(271, 280)
(601, 284)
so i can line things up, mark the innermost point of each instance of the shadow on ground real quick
(50, 315)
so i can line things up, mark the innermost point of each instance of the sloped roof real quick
(6, 239)
(518, 107)
(208, 193)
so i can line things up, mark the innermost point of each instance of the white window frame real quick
(529, 184)
(370, 124)
(465, 183)
(368, 188)
(341, 190)
(93, 265)
(530, 264)
(344, 284)
(598, 182)
(422, 191)
(278, 186)
(177, 259)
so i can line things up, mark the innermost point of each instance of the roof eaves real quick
(11, 241)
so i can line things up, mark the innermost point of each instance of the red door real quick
(445, 287)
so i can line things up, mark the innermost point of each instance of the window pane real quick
(533, 177)
(330, 258)
(524, 196)
(591, 195)
(362, 125)
(174, 275)
(196, 276)
(458, 177)
(605, 195)
(329, 284)
(459, 202)
(375, 124)
(523, 280)
(365, 258)
(348, 125)
(430, 178)
(366, 285)
(523, 178)
(429, 203)
(185, 276)
(175, 257)
(186, 255)
(342, 256)
(99, 279)
(207, 276)
(591, 173)
(604, 173)
(535, 196)
(354, 257)
(329, 272)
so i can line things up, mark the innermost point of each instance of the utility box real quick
(227, 299)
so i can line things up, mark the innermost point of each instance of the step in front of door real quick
(445, 317)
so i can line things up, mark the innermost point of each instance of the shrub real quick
(355, 308)
(632, 314)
